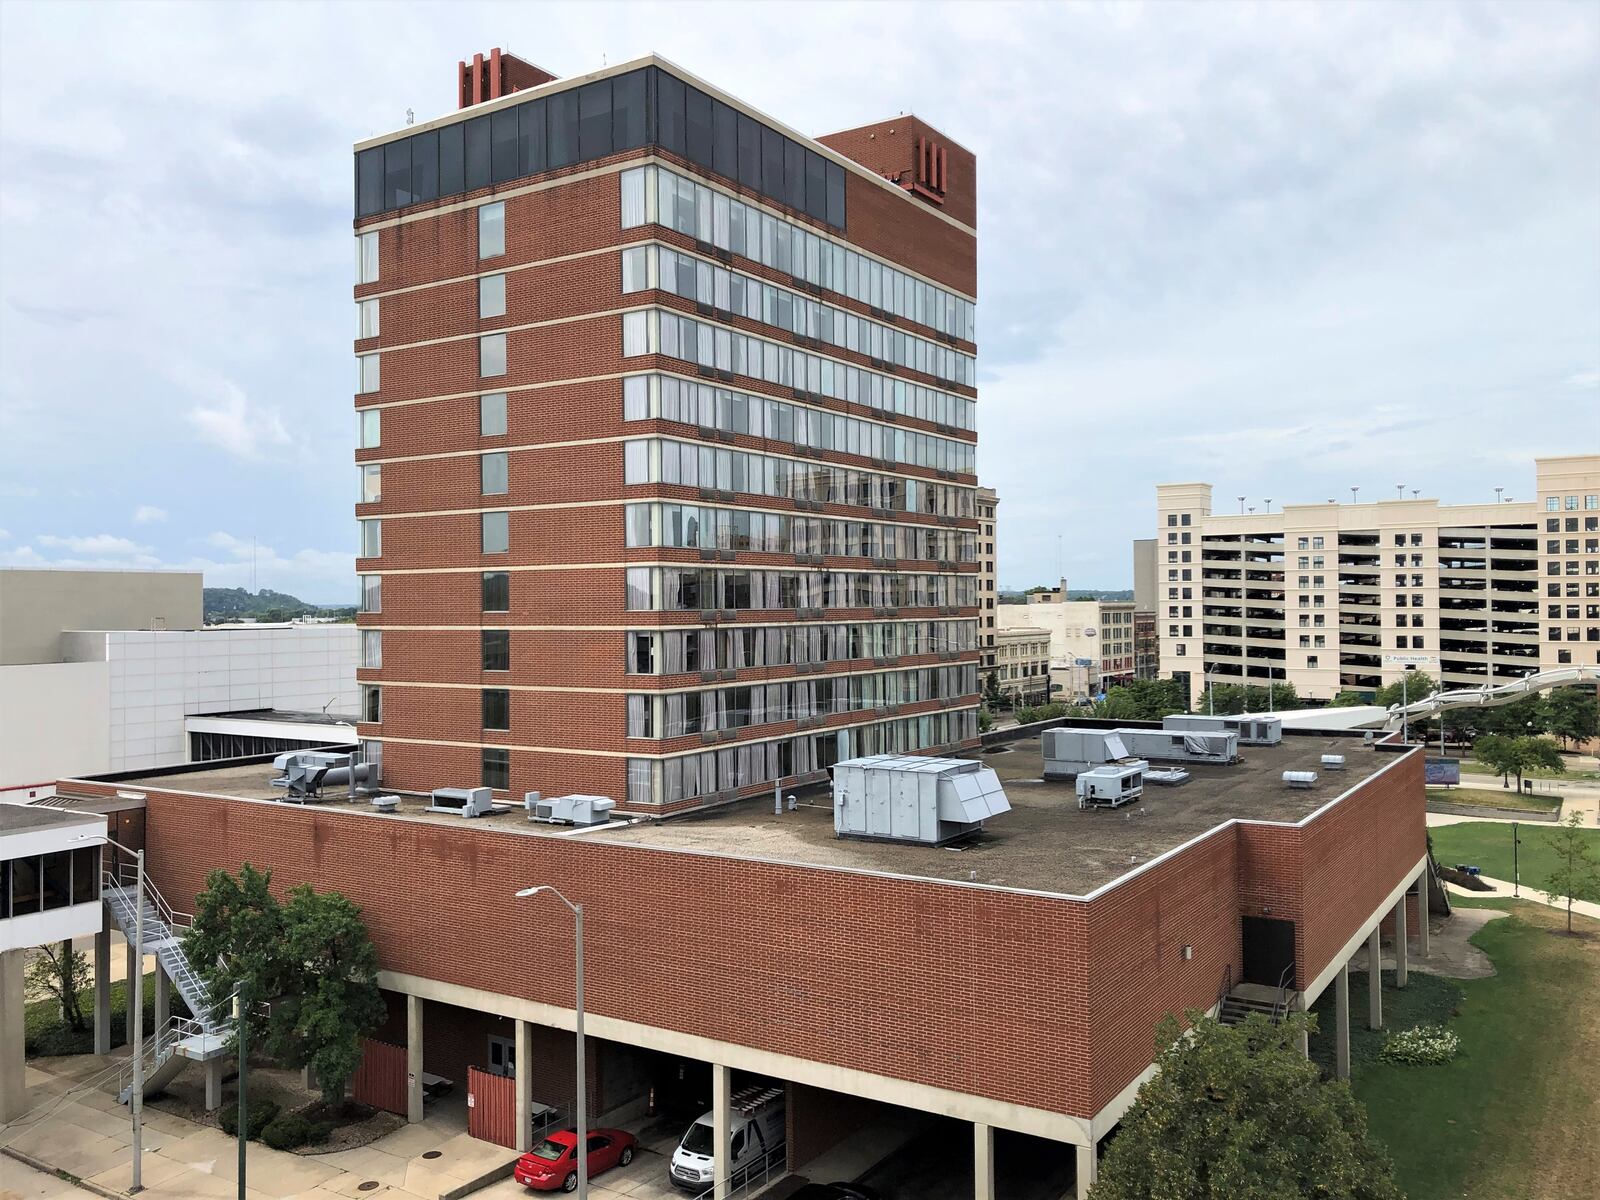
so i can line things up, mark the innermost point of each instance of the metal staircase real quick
(202, 1036)
(1240, 1000)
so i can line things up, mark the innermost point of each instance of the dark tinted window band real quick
(648, 107)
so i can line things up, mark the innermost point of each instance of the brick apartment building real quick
(667, 432)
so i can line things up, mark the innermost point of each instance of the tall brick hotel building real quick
(667, 436)
(667, 433)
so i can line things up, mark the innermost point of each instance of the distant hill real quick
(239, 604)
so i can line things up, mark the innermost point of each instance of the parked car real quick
(552, 1165)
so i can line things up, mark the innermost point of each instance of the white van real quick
(756, 1131)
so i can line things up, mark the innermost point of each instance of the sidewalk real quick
(90, 1136)
(1502, 890)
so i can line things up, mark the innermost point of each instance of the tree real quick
(1144, 700)
(1571, 714)
(1577, 874)
(1417, 685)
(330, 998)
(237, 936)
(985, 719)
(62, 977)
(1348, 700)
(1517, 755)
(1238, 1111)
(991, 689)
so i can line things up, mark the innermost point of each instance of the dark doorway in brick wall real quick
(1268, 949)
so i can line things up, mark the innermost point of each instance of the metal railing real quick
(1227, 986)
(749, 1180)
(1280, 1006)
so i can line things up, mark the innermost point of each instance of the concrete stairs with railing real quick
(197, 1038)
(1243, 999)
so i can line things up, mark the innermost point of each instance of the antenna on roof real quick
(411, 117)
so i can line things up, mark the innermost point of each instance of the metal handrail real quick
(1227, 985)
(125, 875)
(775, 1159)
(1280, 1007)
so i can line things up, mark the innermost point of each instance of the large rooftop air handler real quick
(930, 801)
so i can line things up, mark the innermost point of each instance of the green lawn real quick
(1488, 846)
(1512, 1116)
(1425, 1000)
(1542, 802)
(44, 1032)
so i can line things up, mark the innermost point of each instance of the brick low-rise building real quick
(1012, 987)
(667, 432)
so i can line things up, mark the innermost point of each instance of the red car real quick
(552, 1165)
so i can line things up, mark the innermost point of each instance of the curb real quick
(55, 1173)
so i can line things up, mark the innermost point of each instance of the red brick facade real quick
(564, 438)
(1068, 990)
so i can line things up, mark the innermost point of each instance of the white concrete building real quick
(1091, 641)
(1333, 597)
(114, 698)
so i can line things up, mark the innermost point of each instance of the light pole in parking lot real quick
(581, 1150)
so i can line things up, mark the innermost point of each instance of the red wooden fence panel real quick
(380, 1080)
(492, 1107)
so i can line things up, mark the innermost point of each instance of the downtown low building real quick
(1091, 641)
(1002, 999)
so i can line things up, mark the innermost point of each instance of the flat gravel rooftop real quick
(1045, 843)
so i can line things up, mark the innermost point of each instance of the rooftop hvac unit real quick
(1300, 779)
(466, 802)
(1188, 746)
(570, 810)
(1252, 731)
(930, 801)
(1069, 751)
(304, 773)
(386, 804)
(1333, 762)
(1111, 786)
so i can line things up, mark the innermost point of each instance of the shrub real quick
(261, 1114)
(291, 1130)
(1426, 1044)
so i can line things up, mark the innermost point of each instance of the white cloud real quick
(147, 513)
(231, 421)
(1587, 380)
(102, 544)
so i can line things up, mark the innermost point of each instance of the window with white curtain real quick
(370, 426)
(367, 257)
(367, 318)
(371, 482)
(371, 593)
(372, 647)
(496, 532)
(491, 230)
(494, 473)
(371, 539)
(492, 355)
(491, 296)
(368, 374)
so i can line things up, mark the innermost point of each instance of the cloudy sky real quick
(1284, 248)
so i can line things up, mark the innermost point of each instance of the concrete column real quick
(1422, 913)
(1088, 1170)
(214, 1068)
(102, 988)
(982, 1162)
(13, 1064)
(721, 1125)
(414, 1059)
(163, 996)
(1400, 943)
(524, 1082)
(1374, 982)
(1341, 1023)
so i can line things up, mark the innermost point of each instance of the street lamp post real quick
(582, 1103)
(135, 1012)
